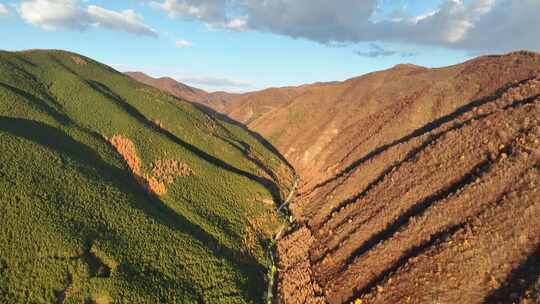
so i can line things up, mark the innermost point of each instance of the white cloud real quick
(214, 82)
(376, 51)
(421, 17)
(212, 10)
(51, 15)
(127, 21)
(209, 83)
(70, 14)
(475, 25)
(319, 20)
(504, 25)
(236, 24)
(4, 11)
(182, 43)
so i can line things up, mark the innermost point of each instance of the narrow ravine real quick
(283, 211)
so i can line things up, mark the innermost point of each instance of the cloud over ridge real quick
(71, 14)
(477, 25)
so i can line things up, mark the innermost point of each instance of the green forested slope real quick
(76, 224)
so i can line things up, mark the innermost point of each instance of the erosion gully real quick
(284, 211)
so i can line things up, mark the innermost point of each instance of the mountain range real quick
(410, 177)
(215, 100)
(408, 185)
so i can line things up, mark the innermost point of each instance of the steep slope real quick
(453, 209)
(410, 177)
(325, 127)
(427, 192)
(111, 191)
(251, 107)
(418, 185)
(215, 100)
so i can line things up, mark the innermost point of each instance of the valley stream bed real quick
(283, 211)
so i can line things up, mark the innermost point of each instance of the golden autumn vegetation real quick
(166, 170)
(163, 171)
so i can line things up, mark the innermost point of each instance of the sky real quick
(246, 45)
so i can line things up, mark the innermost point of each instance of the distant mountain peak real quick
(216, 100)
(408, 66)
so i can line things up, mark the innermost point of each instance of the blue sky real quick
(248, 45)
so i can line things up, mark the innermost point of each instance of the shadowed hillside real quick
(111, 191)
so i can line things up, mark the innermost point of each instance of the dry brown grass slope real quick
(325, 127)
(435, 199)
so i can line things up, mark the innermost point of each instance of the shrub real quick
(152, 185)
(166, 170)
(163, 171)
(108, 264)
(99, 299)
(78, 60)
(126, 149)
